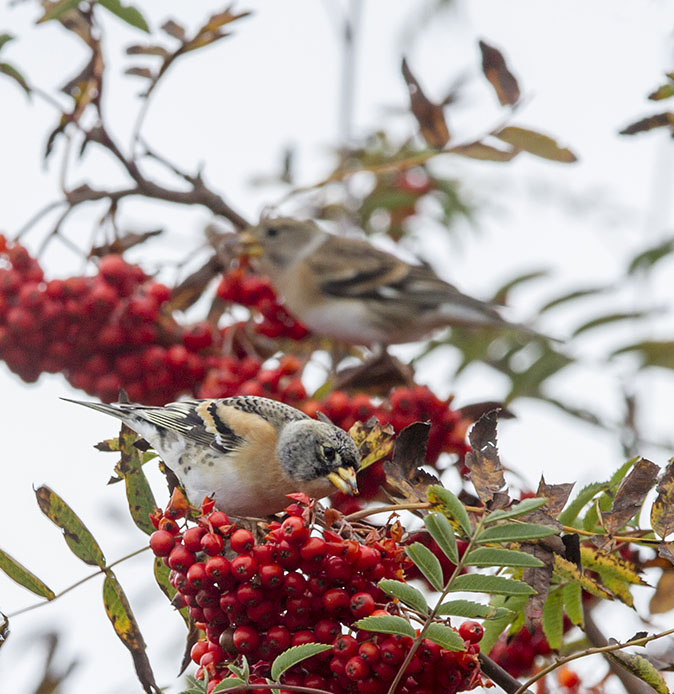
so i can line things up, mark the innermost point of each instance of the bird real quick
(246, 452)
(345, 288)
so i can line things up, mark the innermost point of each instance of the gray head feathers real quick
(308, 449)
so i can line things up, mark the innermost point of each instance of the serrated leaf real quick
(126, 13)
(492, 585)
(448, 504)
(386, 625)
(230, 683)
(441, 531)
(373, 440)
(75, 533)
(584, 496)
(445, 637)
(569, 571)
(572, 597)
(124, 623)
(19, 573)
(405, 593)
(514, 532)
(493, 628)
(640, 667)
(630, 496)
(427, 563)
(297, 654)
(486, 470)
(536, 143)
(613, 564)
(525, 506)
(619, 587)
(471, 610)
(491, 556)
(553, 619)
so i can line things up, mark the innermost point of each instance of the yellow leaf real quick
(374, 441)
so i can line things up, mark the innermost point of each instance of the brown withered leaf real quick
(475, 410)
(172, 28)
(483, 152)
(429, 115)
(666, 551)
(556, 494)
(137, 71)
(192, 637)
(630, 495)
(483, 461)
(374, 441)
(658, 120)
(331, 516)
(539, 579)
(192, 287)
(403, 472)
(148, 49)
(123, 243)
(572, 549)
(662, 511)
(535, 143)
(499, 76)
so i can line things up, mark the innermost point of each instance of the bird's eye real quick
(329, 453)
(272, 231)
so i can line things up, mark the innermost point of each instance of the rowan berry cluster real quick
(294, 586)
(518, 653)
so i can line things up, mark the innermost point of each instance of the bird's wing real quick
(272, 411)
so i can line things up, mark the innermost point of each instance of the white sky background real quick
(585, 69)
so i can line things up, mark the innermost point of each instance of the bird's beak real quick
(344, 478)
(248, 244)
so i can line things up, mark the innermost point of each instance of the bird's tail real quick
(115, 409)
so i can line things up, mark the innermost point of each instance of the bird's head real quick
(309, 450)
(280, 242)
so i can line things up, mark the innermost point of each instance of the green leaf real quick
(640, 667)
(493, 628)
(124, 623)
(126, 13)
(608, 319)
(471, 610)
(572, 596)
(450, 505)
(478, 150)
(138, 492)
(571, 296)
(75, 533)
(161, 575)
(441, 531)
(404, 592)
(501, 295)
(514, 532)
(525, 506)
(427, 563)
(489, 556)
(19, 573)
(664, 91)
(295, 655)
(658, 353)
(386, 625)
(584, 496)
(646, 259)
(58, 9)
(5, 38)
(494, 585)
(553, 619)
(445, 636)
(11, 71)
(230, 683)
(536, 143)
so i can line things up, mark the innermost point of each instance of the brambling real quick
(347, 289)
(247, 452)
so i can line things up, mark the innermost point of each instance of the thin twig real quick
(37, 216)
(78, 583)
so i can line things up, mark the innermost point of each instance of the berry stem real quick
(591, 651)
(429, 620)
(79, 583)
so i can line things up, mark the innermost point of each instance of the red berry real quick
(243, 567)
(196, 576)
(294, 584)
(217, 568)
(247, 594)
(212, 544)
(294, 530)
(162, 542)
(219, 520)
(356, 668)
(314, 549)
(241, 541)
(271, 575)
(192, 538)
(279, 637)
(198, 650)
(471, 631)
(361, 605)
(335, 599)
(326, 630)
(391, 652)
(369, 652)
(299, 638)
(246, 639)
(180, 558)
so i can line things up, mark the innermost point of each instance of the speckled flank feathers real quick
(248, 452)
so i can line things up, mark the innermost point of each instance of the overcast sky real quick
(585, 69)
